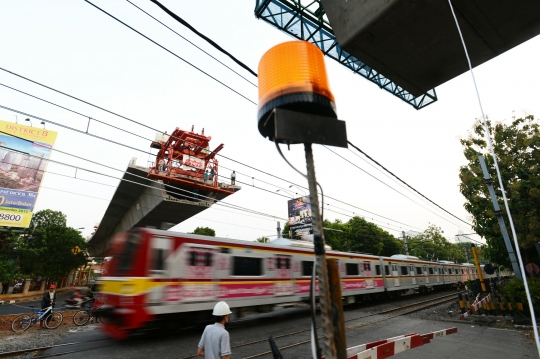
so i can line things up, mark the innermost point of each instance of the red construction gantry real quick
(182, 161)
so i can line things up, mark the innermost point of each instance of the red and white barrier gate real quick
(385, 348)
(476, 305)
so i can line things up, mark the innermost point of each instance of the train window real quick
(462, 271)
(377, 269)
(200, 258)
(126, 256)
(158, 262)
(430, 270)
(386, 270)
(283, 262)
(247, 266)
(419, 270)
(404, 270)
(307, 268)
(352, 268)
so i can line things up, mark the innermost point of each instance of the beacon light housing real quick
(295, 101)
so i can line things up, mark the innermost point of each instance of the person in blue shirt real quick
(215, 342)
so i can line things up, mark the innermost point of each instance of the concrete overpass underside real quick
(142, 202)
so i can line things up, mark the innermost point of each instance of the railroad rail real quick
(401, 310)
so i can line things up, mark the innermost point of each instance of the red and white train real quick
(166, 277)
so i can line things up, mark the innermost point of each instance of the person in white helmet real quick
(215, 342)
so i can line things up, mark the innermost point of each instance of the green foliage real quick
(431, 244)
(8, 269)
(285, 233)
(359, 235)
(262, 240)
(514, 289)
(205, 231)
(517, 147)
(46, 249)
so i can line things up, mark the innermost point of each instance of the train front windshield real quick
(123, 252)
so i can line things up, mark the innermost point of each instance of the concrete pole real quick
(278, 229)
(405, 243)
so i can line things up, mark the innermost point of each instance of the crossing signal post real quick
(297, 106)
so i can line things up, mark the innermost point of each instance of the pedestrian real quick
(215, 342)
(205, 176)
(233, 178)
(49, 298)
(5, 287)
(212, 174)
(161, 165)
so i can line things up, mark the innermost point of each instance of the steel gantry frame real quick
(306, 20)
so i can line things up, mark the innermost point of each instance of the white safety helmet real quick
(221, 308)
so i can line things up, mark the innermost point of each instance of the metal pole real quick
(478, 268)
(330, 317)
(498, 213)
(405, 243)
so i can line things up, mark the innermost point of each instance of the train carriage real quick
(155, 277)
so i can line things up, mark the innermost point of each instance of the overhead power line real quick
(405, 183)
(193, 44)
(169, 51)
(154, 129)
(148, 139)
(183, 22)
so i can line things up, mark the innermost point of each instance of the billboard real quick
(22, 165)
(300, 224)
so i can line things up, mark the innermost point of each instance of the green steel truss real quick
(306, 20)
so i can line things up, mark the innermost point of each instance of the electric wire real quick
(405, 183)
(510, 220)
(192, 43)
(183, 22)
(404, 195)
(169, 51)
(154, 129)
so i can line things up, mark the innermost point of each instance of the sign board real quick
(300, 222)
(75, 250)
(24, 155)
(192, 163)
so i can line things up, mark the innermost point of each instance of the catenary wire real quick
(405, 183)
(169, 51)
(183, 22)
(404, 195)
(146, 152)
(192, 43)
(154, 129)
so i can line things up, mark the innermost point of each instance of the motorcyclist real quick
(76, 298)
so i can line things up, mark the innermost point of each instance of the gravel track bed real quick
(34, 337)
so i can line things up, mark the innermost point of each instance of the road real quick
(476, 341)
(23, 307)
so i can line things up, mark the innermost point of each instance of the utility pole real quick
(405, 243)
(466, 254)
(498, 214)
(278, 230)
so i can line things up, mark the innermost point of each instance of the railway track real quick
(400, 310)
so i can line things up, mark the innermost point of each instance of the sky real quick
(75, 48)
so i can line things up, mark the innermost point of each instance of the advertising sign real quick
(300, 219)
(192, 163)
(22, 165)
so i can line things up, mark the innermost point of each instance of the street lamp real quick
(289, 192)
(293, 185)
(29, 121)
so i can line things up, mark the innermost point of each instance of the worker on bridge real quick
(215, 342)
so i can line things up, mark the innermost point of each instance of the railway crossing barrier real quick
(386, 348)
(477, 305)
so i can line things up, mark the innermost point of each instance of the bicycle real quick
(24, 321)
(84, 316)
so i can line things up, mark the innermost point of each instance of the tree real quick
(432, 245)
(517, 147)
(46, 248)
(8, 270)
(262, 240)
(205, 231)
(359, 235)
